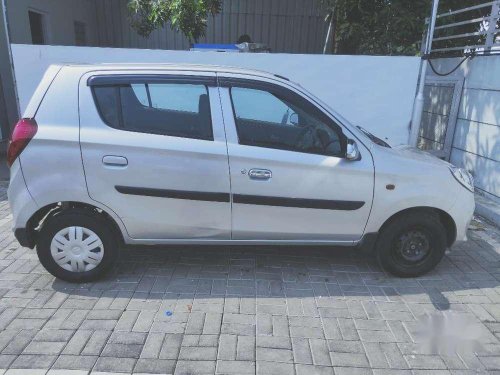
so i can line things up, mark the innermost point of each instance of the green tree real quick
(381, 27)
(188, 16)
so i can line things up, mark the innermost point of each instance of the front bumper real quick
(462, 212)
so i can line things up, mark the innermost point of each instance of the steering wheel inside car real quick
(301, 140)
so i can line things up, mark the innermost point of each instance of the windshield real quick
(374, 138)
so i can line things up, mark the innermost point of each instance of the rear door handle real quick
(114, 161)
(260, 174)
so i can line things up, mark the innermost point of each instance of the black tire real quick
(412, 244)
(82, 218)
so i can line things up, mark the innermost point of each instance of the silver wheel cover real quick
(77, 249)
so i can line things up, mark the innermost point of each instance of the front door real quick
(154, 152)
(289, 178)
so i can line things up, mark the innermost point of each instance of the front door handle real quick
(114, 161)
(260, 174)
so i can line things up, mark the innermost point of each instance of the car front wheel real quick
(412, 244)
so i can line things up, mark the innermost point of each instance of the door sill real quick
(130, 241)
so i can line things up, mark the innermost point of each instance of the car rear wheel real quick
(77, 245)
(411, 245)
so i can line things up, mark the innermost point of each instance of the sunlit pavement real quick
(246, 310)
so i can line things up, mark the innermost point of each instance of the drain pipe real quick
(418, 105)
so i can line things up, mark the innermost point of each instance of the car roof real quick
(180, 67)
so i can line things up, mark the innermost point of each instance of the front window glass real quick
(266, 119)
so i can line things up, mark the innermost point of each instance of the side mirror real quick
(352, 153)
(294, 119)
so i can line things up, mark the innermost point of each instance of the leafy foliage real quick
(188, 16)
(377, 27)
(381, 27)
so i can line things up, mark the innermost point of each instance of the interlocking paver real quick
(301, 351)
(110, 364)
(122, 350)
(75, 362)
(153, 345)
(6, 360)
(320, 354)
(135, 338)
(426, 362)
(248, 310)
(77, 342)
(349, 359)
(274, 342)
(274, 368)
(19, 342)
(31, 361)
(96, 343)
(155, 366)
(47, 348)
(171, 346)
(54, 335)
(235, 367)
(194, 367)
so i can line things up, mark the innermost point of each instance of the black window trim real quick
(283, 92)
(124, 80)
(129, 79)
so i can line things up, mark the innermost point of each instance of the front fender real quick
(408, 195)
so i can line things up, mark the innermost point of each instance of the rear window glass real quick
(179, 110)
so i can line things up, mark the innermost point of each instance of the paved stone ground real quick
(246, 310)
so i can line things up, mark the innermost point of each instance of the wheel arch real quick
(36, 221)
(444, 217)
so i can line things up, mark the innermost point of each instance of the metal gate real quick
(439, 118)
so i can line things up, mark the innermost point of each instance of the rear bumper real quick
(24, 237)
(21, 203)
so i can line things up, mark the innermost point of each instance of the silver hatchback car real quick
(164, 154)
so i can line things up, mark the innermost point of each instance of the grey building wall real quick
(292, 26)
(476, 140)
(59, 17)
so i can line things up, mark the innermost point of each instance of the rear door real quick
(290, 180)
(154, 151)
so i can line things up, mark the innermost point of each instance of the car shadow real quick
(468, 273)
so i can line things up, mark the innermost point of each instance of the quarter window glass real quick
(108, 104)
(266, 119)
(179, 110)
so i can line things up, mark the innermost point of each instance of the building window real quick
(37, 27)
(80, 33)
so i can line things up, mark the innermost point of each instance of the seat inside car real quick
(158, 120)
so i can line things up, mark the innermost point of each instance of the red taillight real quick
(22, 134)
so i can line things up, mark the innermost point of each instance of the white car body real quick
(76, 157)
